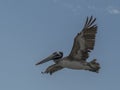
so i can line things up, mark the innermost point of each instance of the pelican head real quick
(54, 56)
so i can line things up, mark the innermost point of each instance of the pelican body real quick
(66, 63)
(82, 46)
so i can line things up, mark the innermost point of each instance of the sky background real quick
(30, 30)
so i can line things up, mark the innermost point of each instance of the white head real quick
(55, 56)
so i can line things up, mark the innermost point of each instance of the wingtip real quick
(89, 21)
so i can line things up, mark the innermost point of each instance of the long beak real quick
(45, 60)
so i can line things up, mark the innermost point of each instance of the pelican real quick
(77, 59)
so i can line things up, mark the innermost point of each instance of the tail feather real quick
(95, 66)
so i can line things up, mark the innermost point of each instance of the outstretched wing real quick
(84, 41)
(53, 68)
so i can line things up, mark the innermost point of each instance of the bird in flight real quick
(77, 59)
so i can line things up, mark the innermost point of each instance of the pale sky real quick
(30, 30)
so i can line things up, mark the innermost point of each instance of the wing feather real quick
(53, 68)
(84, 41)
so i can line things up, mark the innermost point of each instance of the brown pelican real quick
(83, 45)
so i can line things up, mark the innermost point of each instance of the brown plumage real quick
(88, 34)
